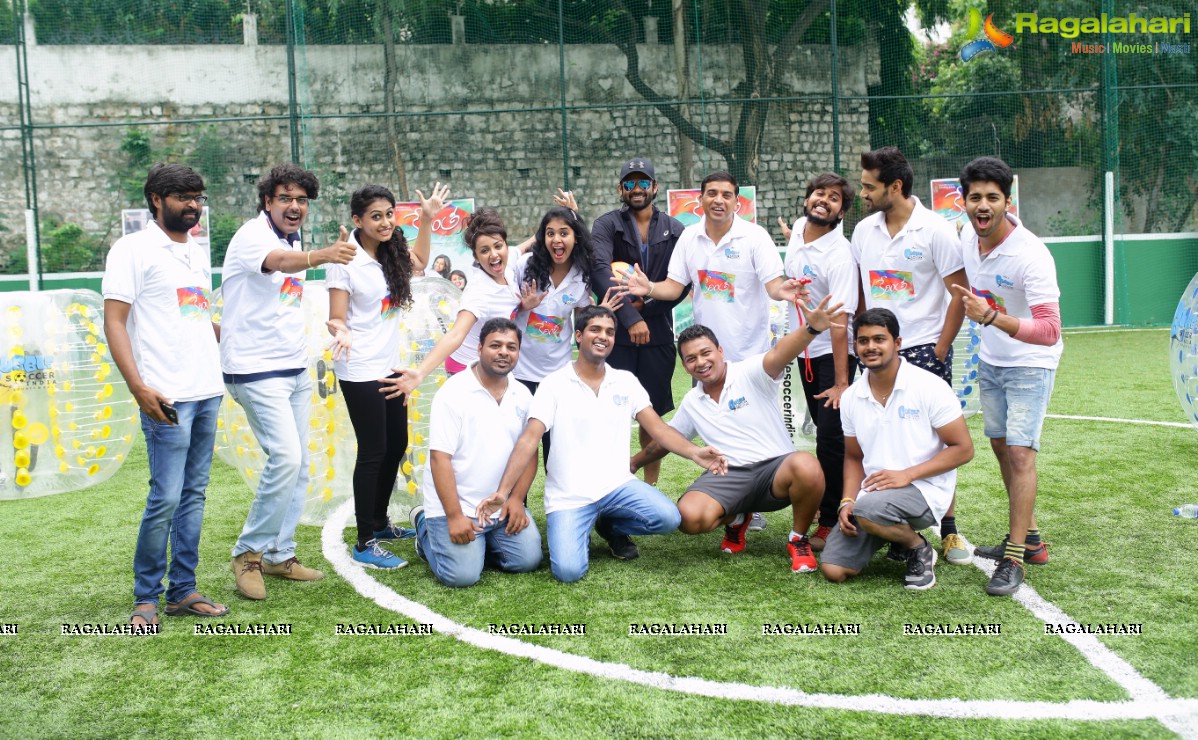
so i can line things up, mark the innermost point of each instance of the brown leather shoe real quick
(292, 569)
(247, 569)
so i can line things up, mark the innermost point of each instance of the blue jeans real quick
(459, 566)
(278, 410)
(180, 460)
(634, 508)
(1014, 402)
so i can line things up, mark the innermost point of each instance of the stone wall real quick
(487, 119)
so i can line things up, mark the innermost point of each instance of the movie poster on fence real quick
(449, 226)
(949, 203)
(136, 219)
(685, 205)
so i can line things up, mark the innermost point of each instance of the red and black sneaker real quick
(820, 538)
(801, 558)
(1031, 555)
(734, 536)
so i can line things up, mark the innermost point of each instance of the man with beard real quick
(904, 438)
(587, 407)
(639, 234)
(909, 259)
(1016, 298)
(476, 419)
(264, 358)
(818, 255)
(158, 321)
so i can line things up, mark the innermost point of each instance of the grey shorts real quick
(902, 505)
(744, 489)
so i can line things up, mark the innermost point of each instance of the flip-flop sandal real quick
(146, 612)
(186, 607)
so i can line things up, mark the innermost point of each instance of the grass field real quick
(1106, 493)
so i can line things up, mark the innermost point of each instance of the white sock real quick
(795, 535)
(739, 520)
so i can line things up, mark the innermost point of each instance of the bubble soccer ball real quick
(331, 444)
(68, 419)
(434, 308)
(965, 368)
(1183, 352)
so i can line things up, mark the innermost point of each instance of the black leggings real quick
(532, 386)
(381, 427)
(829, 437)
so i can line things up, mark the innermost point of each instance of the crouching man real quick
(905, 437)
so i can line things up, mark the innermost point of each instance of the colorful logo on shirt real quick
(291, 292)
(995, 301)
(1002, 282)
(193, 302)
(388, 309)
(908, 414)
(544, 328)
(913, 255)
(568, 299)
(717, 286)
(891, 285)
(809, 273)
(731, 253)
(737, 403)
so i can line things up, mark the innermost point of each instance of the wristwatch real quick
(813, 332)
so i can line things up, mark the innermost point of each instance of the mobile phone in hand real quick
(169, 412)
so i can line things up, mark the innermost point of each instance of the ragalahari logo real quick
(992, 37)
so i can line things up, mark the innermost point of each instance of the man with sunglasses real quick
(637, 233)
(263, 353)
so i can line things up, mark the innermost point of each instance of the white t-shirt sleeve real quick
(640, 397)
(843, 278)
(946, 250)
(847, 404)
(679, 270)
(682, 421)
(445, 426)
(1040, 279)
(122, 281)
(248, 253)
(944, 408)
(756, 374)
(474, 299)
(544, 405)
(767, 263)
(337, 277)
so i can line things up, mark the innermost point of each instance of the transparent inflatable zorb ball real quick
(330, 442)
(67, 419)
(965, 368)
(434, 308)
(1183, 351)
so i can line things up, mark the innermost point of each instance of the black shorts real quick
(653, 365)
(744, 489)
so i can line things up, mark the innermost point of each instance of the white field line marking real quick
(1176, 424)
(1082, 330)
(1148, 702)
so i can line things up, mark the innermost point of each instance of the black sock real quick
(1033, 539)
(362, 545)
(948, 526)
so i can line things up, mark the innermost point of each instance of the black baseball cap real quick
(638, 164)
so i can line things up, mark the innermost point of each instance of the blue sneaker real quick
(392, 532)
(416, 517)
(376, 557)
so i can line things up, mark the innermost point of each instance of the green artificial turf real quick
(1118, 555)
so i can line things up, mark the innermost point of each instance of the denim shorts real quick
(1014, 402)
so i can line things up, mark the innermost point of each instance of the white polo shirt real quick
(906, 273)
(591, 434)
(828, 263)
(486, 299)
(728, 282)
(549, 328)
(1016, 275)
(168, 287)
(903, 432)
(372, 318)
(479, 433)
(262, 328)
(745, 423)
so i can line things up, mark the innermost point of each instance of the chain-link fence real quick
(508, 100)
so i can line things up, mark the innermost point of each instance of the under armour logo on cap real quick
(642, 165)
